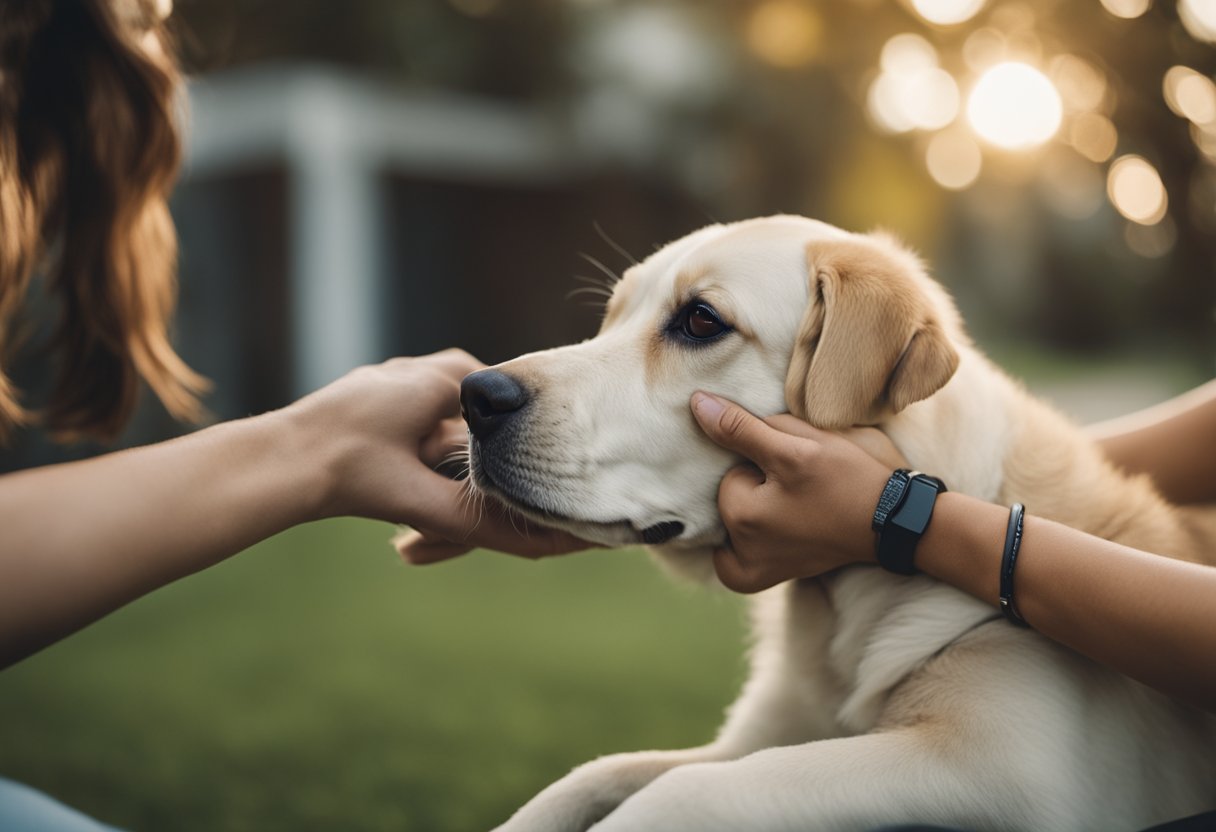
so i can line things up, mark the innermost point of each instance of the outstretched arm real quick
(82, 539)
(1174, 443)
(805, 509)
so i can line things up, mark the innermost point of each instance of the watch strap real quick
(906, 523)
(892, 495)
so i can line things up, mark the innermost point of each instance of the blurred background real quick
(380, 177)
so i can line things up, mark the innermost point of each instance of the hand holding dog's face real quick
(777, 314)
(802, 504)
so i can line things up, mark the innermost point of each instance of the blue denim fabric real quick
(23, 809)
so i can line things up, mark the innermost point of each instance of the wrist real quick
(962, 546)
(902, 516)
(306, 462)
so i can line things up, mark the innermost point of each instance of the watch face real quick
(901, 532)
(917, 507)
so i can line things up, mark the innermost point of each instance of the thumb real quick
(735, 429)
(419, 548)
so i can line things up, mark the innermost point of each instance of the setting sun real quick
(1014, 106)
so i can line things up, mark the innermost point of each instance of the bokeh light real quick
(983, 48)
(912, 92)
(1136, 190)
(1151, 241)
(784, 33)
(1024, 47)
(1190, 94)
(1199, 18)
(1205, 139)
(954, 160)
(947, 12)
(1071, 185)
(907, 53)
(1094, 136)
(1014, 106)
(930, 98)
(1126, 8)
(884, 107)
(1082, 85)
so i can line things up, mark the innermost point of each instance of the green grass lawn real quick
(315, 682)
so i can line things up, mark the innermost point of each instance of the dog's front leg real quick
(841, 785)
(779, 705)
(769, 711)
(594, 789)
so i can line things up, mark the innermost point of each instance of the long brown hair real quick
(89, 150)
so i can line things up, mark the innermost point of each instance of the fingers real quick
(739, 575)
(787, 423)
(452, 511)
(871, 440)
(737, 486)
(450, 439)
(432, 382)
(455, 363)
(424, 395)
(421, 549)
(876, 444)
(735, 429)
(447, 508)
(501, 530)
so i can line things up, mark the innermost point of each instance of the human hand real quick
(378, 433)
(484, 523)
(804, 507)
(474, 520)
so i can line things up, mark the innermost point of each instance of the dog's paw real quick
(592, 791)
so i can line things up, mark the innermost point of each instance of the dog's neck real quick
(972, 409)
(872, 647)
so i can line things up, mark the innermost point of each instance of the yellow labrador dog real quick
(873, 698)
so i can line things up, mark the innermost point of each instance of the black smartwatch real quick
(901, 517)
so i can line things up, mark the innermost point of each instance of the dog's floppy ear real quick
(871, 342)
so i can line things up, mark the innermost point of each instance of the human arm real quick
(1173, 442)
(82, 539)
(806, 510)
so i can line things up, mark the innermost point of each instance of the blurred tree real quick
(860, 112)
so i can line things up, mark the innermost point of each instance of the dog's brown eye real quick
(701, 322)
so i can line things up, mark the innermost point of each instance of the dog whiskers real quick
(597, 283)
(456, 464)
(472, 500)
(512, 514)
(612, 276)
(617, 247)
(601, 292)
(598, 288)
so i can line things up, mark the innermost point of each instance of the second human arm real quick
(1173, 442)
(806, 509)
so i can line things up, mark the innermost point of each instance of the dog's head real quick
(778, 314)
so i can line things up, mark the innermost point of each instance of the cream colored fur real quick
(872, 698)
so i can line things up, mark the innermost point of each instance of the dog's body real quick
(873, 698)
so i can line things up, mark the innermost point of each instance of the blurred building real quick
(304, 213)
(327, 221)
(382, 178)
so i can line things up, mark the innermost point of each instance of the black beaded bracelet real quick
(891, 498)
(1009, 559)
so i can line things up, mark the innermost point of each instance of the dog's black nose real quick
(488, 398)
